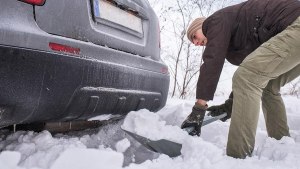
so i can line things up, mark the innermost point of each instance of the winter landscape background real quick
(109, 147)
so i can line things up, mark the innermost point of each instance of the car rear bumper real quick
(47, 86)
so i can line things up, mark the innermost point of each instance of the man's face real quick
(199, 39)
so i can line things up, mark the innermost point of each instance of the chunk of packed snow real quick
(122, 145)
(152, 126)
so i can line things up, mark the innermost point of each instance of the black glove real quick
(220, 109)
(195, 119)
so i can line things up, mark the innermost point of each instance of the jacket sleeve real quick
(218, 35)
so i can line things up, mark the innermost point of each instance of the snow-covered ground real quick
(110, 148)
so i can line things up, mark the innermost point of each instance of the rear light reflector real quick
(34, 2)
(64, 48)
(164, 70)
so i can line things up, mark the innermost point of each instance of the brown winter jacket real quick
(236, 31)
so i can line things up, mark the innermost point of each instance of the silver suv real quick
(62, 60)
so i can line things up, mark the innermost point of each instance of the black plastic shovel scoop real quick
(170, 148)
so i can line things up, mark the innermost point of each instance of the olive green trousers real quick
(259, 78)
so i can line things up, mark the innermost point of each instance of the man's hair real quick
(194, 26)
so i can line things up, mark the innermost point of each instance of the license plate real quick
(109, 12)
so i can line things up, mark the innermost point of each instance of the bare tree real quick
(190, 71)
(294, 89)
(185, 12)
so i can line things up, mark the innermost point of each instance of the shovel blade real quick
(170, 148)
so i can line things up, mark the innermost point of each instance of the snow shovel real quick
(170, 148)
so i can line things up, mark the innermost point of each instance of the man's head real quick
(195, 34)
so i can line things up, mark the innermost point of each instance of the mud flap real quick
(170, 148)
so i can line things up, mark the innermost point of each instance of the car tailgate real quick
(126, 25)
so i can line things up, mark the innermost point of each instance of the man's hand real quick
(223, 108)
(195, 119)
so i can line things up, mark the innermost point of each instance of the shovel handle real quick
(206, 121)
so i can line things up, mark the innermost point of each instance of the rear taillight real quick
(34, 2)
(165, 70)
(64, 48)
